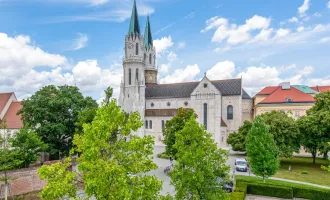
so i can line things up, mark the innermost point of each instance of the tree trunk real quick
(314, 156)
(325, 155)
(6, 185)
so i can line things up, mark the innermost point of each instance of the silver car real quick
(241, 164)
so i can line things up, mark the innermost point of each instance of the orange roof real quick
(268, 90)
(280, 96)
(4, 97)
(13, 121)
(321, 88)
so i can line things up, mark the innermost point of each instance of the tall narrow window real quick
(146, 124)
(150, 124)
(163, 124)
(137, 49)
(137, 74)
(145, 58)
(205, 115)
(230, 112)
(150, 58)
(129, 76)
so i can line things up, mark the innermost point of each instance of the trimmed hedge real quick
(163, 155)
(237, 195)
(312, 194)
(270, 190)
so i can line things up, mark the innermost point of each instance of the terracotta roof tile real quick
(13, 121)
(321, 88)
(4, 97)
(280, 96)
(268, 90)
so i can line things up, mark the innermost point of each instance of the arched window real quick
(205, 115)
(129, 76)
(137, 74)
(150, 58)
(137, 49)
(146, 124)
(145, 58)
(230, 112)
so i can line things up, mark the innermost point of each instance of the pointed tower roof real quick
(147, 36)
(134, 26)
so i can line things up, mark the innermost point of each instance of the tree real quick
(327, 168)
(28, 144)
(175, 125)
(261, 150)
(285, 132)
(111, 166)
(52, 112)
(199, 164)
(237, 139)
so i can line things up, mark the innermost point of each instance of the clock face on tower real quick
(130, 45)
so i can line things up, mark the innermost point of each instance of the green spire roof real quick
(147, 36)
(134, 26)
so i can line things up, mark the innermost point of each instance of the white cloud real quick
(80, 42)
(234, 34)
(171, 56)
(300, 28)
(182, 75)
(87, 73)
(281, 33)
(306, 71)
(181, 45)
(98, 2)
(222, 70)
(293, 19)
(263, 35)
(318, 81)
(164, 68)
(287, 67)
(325, 40)
(328, 4)
(303, 8)
(163, 44)
(214, 22)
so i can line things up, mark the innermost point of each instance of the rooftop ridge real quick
(191, 82)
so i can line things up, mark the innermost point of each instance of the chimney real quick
(285, 85)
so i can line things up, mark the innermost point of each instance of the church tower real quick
(138, 67)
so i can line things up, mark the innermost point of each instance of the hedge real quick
(312, 194)
(163, 155)
(237, 195)
(270, 190)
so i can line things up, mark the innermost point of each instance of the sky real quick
(81, 42)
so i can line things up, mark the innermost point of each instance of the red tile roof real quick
(268, 90)
(321, 88)
(13, 121)
(4, 97)
(280, 96)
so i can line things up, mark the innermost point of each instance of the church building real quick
(221, 105)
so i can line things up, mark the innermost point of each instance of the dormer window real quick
(289, 100)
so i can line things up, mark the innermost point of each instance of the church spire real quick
(134, 26)
(147, 36)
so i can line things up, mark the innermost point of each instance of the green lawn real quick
(298, 164)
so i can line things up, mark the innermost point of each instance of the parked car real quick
(241, 164)
(225, 185)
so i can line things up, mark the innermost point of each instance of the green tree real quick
(327, 168)
(238, 139)
(112, 163)
(28, 144)
(285, 132)
(261, 150)
(52, 112)
(199, 164)
(175, 125)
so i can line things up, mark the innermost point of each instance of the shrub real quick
(241, 186)
(237, 195)
(312, 194)
(163, 155)
(270, 190)
(304, 172)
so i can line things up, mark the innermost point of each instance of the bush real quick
(270, 190)
(312, 194)
(237, 195)
(304, 172)
(163, 155)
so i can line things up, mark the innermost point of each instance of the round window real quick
(205, 85)
(186, 103)
(168, 104)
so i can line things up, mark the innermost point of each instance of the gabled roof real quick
(245, 95)
(280, 96)
(13, 121)
(4, 97)
(305, 89)
(183, 90)
(147, 36)
(134, 26)
(268, 90)
(321, 88)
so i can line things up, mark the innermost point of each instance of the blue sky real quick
(81, 42)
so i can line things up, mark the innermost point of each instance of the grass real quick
(299, 167)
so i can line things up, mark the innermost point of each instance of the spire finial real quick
(134, 26)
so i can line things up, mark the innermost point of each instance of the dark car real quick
(225, 185)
